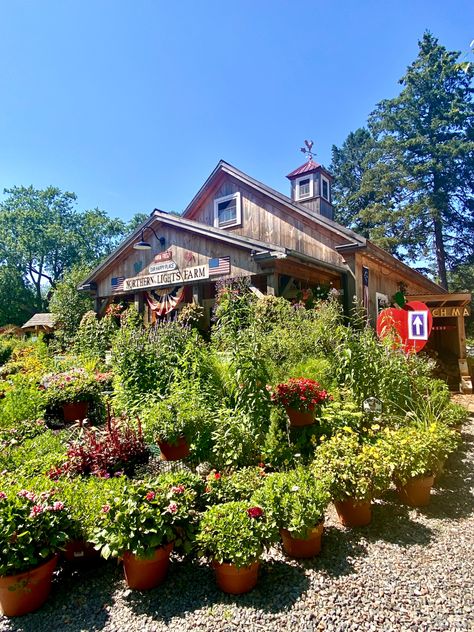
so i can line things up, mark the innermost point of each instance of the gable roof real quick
(41, 320)
(300, 209)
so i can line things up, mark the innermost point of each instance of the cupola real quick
(311, 185)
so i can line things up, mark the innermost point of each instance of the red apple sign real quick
(411, 325)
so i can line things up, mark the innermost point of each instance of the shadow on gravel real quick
(76, 602)
(195, 583)
(391, 523)
(340, 547)
(452, 496)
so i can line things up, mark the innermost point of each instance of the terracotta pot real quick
(354, 513)
(236, 581)
(299, 547)
(73, 411)
(146, 573)
(174, 452)
(26, 592)
(416, 492)
(298, 418)
(80, 551)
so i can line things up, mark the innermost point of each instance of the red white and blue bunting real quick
(165, 300)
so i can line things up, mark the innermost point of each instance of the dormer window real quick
(325, 188)
(227, 211)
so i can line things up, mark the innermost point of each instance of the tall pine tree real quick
(419, 175)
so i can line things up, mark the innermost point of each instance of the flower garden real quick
(145, 444)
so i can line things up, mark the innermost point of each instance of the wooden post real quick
(272, 284)
(197, 294)
(139, 302)
(465, 384)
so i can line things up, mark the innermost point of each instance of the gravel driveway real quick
(410, 570)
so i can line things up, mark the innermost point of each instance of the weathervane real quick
(308, 149)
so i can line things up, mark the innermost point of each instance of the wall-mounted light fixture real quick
(145, 245)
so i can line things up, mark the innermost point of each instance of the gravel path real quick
(410, 570)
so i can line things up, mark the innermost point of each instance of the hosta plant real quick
(301, 394)
(356, 470)
(417, 451)
(144, 516)
(33, 527)
(294, 500)
(235, 533)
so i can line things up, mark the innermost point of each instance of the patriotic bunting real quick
(165, 300)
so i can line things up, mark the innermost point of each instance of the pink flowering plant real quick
(236, 533)
(301, 394)
(74, 385)
(144, 516)
(33, 527)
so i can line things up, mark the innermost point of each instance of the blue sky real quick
(131, 104)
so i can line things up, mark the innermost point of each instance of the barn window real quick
(325, 187)
(227, 211)
(304, 188)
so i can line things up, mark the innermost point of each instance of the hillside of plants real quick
(103, 482)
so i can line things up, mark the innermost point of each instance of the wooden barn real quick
(236, 226)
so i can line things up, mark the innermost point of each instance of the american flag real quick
(117, 284)
(219, 265)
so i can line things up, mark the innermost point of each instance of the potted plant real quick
(302, 399)
(234, 535)
(140, 525)
(164, 425)
(416, 454)
(294, 503)
(356, 473)
(72, 391)
(33, 528)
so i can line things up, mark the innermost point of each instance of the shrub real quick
(356, 471)
(235, 533)
(35, 455)
(238, 485)
(146, 515)
(94, 336)
(162, 423)
(236, 440)
(415, 451)
(75, 385)
(295, 500)
(6, 350)
(32, 528)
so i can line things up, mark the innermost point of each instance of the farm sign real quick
(410, 325)
(166, 278)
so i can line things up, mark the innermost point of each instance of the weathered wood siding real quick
(268, 221)
(188, 250)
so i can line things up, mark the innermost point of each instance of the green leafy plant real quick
(418, 450)
(295, 500)
(33, 527)
(238, 485)
(144, 516)
(234, 533)
(356, 470)
(74, 385)
(162, 422)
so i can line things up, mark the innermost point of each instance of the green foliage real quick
(17, 300)
(6, 349)
(21, 409)
(229, 534)
(35, 456)
(75, 385)
(162, 422)
(356, 471)
(236, 440)
(144, 361)
(233, 310)
(32, 528)
(144, 516)
(238, 485)
(418, 450)
(295, 500)
(94, 336)
(69, 305)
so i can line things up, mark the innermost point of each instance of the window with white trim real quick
(304, 187)
(227, 211)
(325, 188)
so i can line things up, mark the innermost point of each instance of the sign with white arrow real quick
(418, 325)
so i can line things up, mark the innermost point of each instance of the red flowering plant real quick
(75, 385)
(301, 394)
(238, 485)
(144, 516)
(33, 527)
(235, 533)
